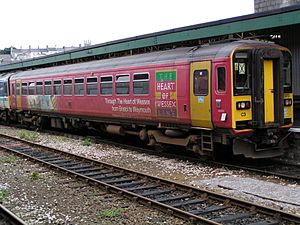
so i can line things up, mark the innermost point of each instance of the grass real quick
(35, 175)
(4, 192)
(110, 213)
(86, 142)
(28, 135)
(8, 159)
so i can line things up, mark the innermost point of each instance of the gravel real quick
(55, 198)
(173, 169)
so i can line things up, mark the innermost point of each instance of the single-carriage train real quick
(236, 94)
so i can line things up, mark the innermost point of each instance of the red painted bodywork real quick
(137, 107)
(223, 97)
(101, 105)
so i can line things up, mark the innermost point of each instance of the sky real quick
(59, 23)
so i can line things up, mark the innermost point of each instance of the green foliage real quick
(4, 192)
(35, 175)
(28, 135)
(5, 51)
(110, 213)
(86, 142)
(8, 159)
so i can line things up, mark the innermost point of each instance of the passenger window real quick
(141, 83)
(24, 88)
(221, 79)
(79, 87)
(13, 88)
(106, 85)
(18, 89)
(3, 89)
(122, 84)
(48, 88)
(92, 86)
(39, 88)
(31, 88)
(57, 87)
(200, 82)
(67, 87)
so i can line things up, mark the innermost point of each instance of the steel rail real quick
(181, 200)
(291, 174)
(289, 171)
(8, 218)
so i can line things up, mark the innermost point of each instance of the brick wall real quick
(266, 5)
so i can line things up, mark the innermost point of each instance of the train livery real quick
(236, 94)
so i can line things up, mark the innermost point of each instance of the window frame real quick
(91, 83)
(55, 85)
(3, 88)
(48, 85)
(141, 80)
(22, 88)
(207, 83)
(13, 87)
(71, 84)
(31, 87)
(118, 82)
(39, 85)
(240, 58)
(106, 82)
(74, 84)
(217, 79)
(18, 87)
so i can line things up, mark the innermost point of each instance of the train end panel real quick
(262, 101)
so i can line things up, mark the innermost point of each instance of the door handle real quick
(185, 107)
(218, 103)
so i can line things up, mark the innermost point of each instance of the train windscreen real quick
(241, 74)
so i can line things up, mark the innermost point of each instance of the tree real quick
(6, 51)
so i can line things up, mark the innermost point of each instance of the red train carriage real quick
(236, 94)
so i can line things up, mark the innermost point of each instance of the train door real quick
(221, 95)
(268, 88)
(268, 91)
(200, 94)
(16, 94)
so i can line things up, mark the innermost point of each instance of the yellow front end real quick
(242, 114)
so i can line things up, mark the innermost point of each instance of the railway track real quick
(8, 218)
(186, 202)
(269, 167)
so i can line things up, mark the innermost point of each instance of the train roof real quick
(186, 54)
(5, 76)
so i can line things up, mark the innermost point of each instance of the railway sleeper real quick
(210, 209)
(172, 198)
(265, 223)
(87, 170)
(129, 184)
(180, 204)
(230, 218)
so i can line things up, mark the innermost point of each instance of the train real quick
(233, 95)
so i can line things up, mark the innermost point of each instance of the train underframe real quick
(263, 143)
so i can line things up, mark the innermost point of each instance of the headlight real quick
(243, 105)
(288, 102)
